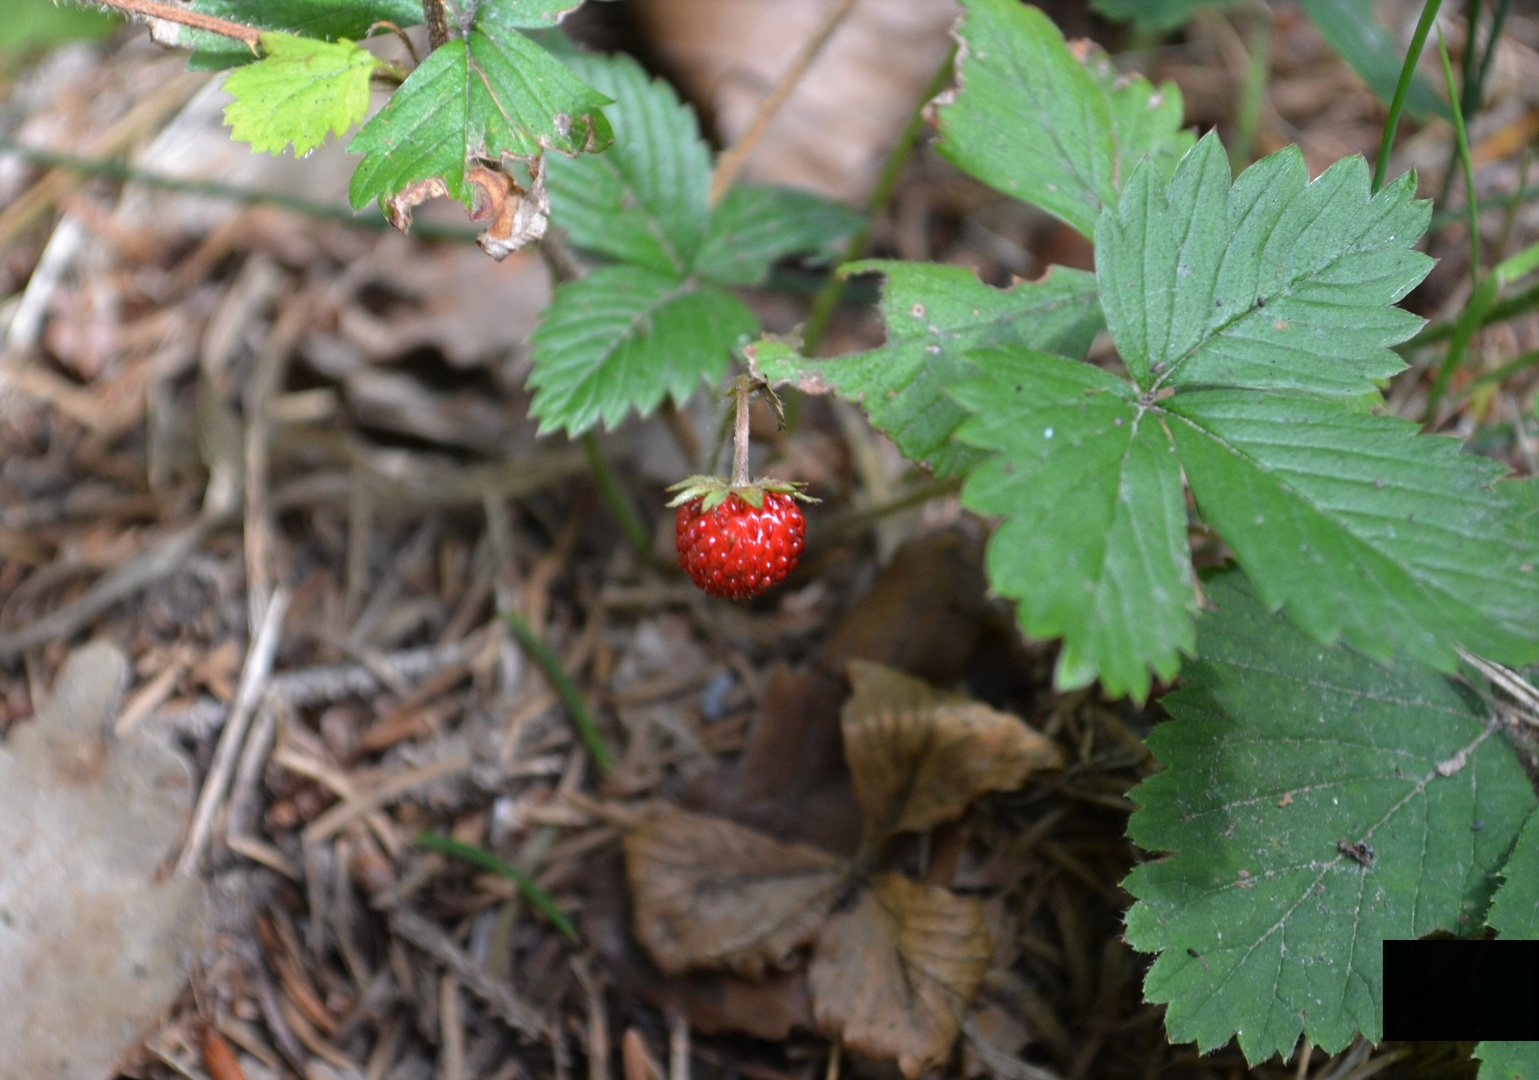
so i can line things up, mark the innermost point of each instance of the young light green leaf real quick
(491, 94)
(1275, 282)
(646, 199)
(1508, 1060)
(1093, 547)
(623, 338)
(1032, 121)
(1360, 527)
(328, 20)
(302, 89)
(1281, 757)
(1515, 911)
(1351, 28)
(753, 226)
(1150, 14)
(934, 316)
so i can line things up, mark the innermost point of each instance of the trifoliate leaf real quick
(1360, 527)
(300, 91)
(1275, 282)
(1351, 28)
(753, 226)
(623, 338)
(328, 20)
(1508, 1060)
(1093, 547)
(1515, 911)
(1313, 804)
(488, 95)
(1150, 14)
(934, 315)
(646, 199)
(1032, 121)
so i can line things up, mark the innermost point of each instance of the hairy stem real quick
(154, 9)
(744, 390)
(437, 18)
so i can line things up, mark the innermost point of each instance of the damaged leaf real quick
(710, 893)
(87, 924)
(919, 756)
(894, 976)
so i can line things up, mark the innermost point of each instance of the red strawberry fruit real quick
(737, 540)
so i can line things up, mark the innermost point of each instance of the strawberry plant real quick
(1336, 773)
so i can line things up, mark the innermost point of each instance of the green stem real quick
(614, 495)
(1443, 218)
(487, 861)
(1397, 103)
(827, 301)
(1513, 306)
(564, 687)
(1501, 374)
(1462, 145)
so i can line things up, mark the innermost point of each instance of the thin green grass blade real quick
(487, 861)
(1462, 143)
(1419, 39)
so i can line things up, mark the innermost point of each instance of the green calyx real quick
(712, 491)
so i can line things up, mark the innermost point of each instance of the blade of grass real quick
(487, 861)
(1501, 374)
(1481, 303)
(1498, 21)
(1248, 112)
(614, 495)
(1510, 308)
(1462, 145)
(564, 687)
(1397, 103)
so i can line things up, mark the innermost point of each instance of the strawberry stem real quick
(740, 475)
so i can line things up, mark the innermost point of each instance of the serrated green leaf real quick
(1360, 527)
(328, 20)
(1150, 14)
(300, 91)
(1349, 26)
(1278, 750)
(1093, 547)
(1274, 282)
(1508, 1060)
(646, 199)
(623, 338)
(753, 226)
(934, 316)
(491, 94)
(1515, 911)
(1032, 121)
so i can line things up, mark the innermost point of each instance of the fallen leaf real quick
(919, 755)
(894, 976)
(87, 927)
(711, 893)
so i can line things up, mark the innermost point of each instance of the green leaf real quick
(1362, 528)
(1275, 282)
(1350, 28)
(1032, 121)
(934, 315)
(754, 226)
(1094, 544)
(329, 20)
(301, 90)
(491, 94)
(1515, 911)
(646, 199)
(1508, 1060)
(1150, 14)
(623, 338)
(1278, 750)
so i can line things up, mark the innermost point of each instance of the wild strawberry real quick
(737, 540)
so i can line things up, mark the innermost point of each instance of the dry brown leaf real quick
(920, 755)
(97, 942)
(711, 893)
(894, 976)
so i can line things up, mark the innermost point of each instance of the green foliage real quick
(491, 94)
(659, 323)
(1279, 750)
(328, 20)
(38, 24)
(1515, 911)
(1508, 1060)
(1036, 123)
(299, 91)
(1150, 14)
(1351, 29)
(935, 315)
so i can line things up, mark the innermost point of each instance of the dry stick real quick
(153, 9)
(430, 939)
(731, 162)
(266, 380)
(253, 680)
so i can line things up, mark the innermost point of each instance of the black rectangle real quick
(1463, 990)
